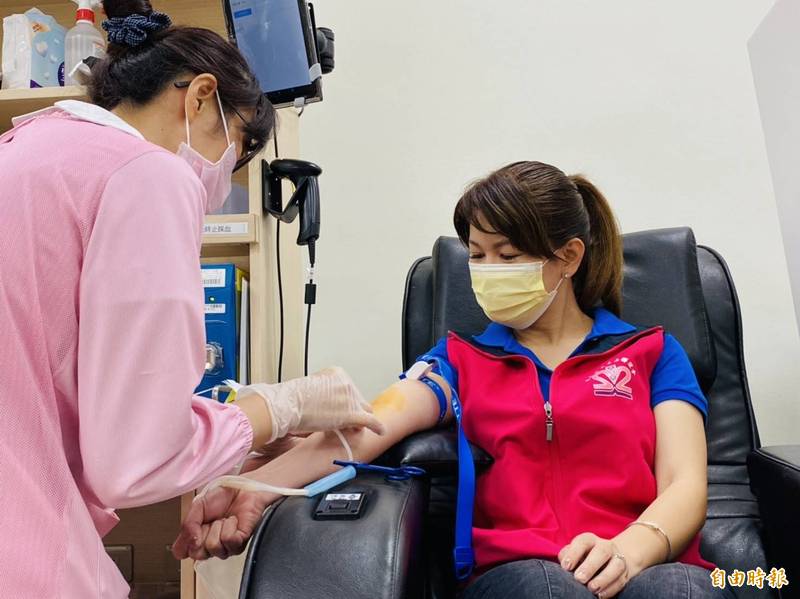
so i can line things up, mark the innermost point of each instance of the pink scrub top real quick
(101, 345)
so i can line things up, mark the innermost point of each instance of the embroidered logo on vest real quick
(613, 378)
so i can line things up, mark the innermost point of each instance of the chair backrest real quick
(669, 281)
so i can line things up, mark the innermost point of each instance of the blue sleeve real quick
(673, 378)
(438, 355)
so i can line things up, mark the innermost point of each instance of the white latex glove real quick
(324, 401)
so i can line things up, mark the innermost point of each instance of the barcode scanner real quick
(304, 201)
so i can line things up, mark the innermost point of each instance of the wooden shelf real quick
(16, 102)
(197, 13)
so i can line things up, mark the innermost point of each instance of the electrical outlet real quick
(123, 557)
(172, 567)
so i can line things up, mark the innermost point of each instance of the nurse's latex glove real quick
(326, 400)
(220, 523)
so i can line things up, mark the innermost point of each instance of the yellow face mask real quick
(512, 294)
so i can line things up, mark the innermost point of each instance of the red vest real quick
(595, 475)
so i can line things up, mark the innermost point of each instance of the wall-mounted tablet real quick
(278, 39)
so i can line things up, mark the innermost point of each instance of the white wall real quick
(775, 59)
(654, 101)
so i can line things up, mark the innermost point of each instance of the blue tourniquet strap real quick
(463, 554)
(440, 396)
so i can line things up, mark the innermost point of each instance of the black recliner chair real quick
(402, 544)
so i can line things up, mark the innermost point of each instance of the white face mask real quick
(215, 176)
(512, 294)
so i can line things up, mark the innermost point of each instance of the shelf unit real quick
(248, 240)
(14, 102)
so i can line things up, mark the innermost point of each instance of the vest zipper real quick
(561, 515)
(548, 415)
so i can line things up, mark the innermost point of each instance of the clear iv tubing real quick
(248, 484)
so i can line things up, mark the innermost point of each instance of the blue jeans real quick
(541, 579)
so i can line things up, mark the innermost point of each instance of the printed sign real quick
(241, 228)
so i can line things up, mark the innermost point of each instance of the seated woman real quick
(596, 426)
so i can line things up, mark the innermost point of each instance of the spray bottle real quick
(83, 40)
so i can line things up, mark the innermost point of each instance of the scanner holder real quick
(304, 202)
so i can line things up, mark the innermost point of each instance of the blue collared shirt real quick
(672, 378)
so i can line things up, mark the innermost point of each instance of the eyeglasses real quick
(254, 148)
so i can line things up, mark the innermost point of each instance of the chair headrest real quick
(661, 287)
(454, 304)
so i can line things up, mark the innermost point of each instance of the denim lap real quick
(542, 579)
(673, 581)
(527, 579)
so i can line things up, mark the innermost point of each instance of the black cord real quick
(280, 282)
(280, 297)
(308, 331)
(311, 297)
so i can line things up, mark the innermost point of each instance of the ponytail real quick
(599, 279)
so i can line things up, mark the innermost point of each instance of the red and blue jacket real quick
(573, 448)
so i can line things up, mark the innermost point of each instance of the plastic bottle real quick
(83, 40)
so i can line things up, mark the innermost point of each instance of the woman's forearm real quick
(405, 408)
(679, 510)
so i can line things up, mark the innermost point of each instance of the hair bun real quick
(133, 30)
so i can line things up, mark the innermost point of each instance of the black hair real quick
(137, 74)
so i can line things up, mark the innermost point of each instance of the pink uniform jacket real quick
(596, 474)
(101, 346)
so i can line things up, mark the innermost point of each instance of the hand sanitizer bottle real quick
(83, 40)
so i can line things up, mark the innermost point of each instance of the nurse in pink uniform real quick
(101, 307)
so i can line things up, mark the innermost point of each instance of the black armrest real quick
(377, 556)
(775, 481)
(435, 451)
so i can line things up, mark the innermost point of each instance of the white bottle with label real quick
(83, 40)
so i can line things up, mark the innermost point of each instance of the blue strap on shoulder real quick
(463, 554)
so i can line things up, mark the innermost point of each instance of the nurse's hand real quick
(597, 563)
(327, 400)
(220, 523)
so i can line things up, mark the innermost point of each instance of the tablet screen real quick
(270, 35)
